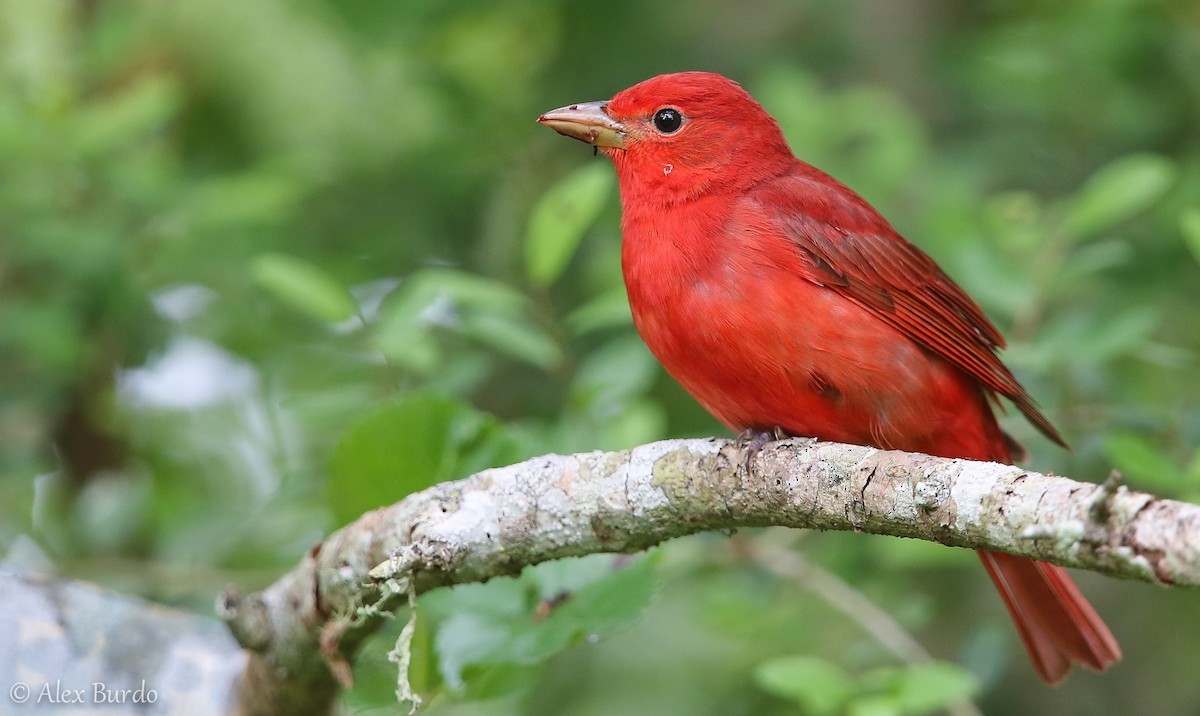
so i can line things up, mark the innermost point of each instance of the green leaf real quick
(1145, 464)
(480, 441)
(516, 336)
(498, 624)
(640, 422)
(1189, 224)
(918, 554)
(40, 50)
(409, 445)
(1093, 258)
(402, 328)
(303, 286)
(397, 450)
(474, 639)
(246, 200)
(1121, 334)
(608, 310)
(496, 680)
(482, 309)
(874, 706)
(1193, 467)
(1090, 340)
(1118, 191)
(125, 117)
(819, 686)
(470, 289)
(615, 372)
(561, 217)
(615, 599)
(923, 688)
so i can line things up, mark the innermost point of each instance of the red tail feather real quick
(1055, 622)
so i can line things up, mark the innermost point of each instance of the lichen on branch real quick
(501, 520)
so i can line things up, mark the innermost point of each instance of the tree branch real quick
(302, 629)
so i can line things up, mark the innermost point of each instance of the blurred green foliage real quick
(820, 687)
(266, 265)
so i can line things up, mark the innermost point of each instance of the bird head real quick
(678, 136)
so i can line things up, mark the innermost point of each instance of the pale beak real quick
(588, 122)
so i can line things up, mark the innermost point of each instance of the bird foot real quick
(751, 441)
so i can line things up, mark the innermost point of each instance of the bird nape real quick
(780, 299)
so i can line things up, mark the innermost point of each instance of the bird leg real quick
(751, 441)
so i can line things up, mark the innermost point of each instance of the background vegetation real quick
(265, 265)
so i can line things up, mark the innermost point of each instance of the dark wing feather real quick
(851, 249)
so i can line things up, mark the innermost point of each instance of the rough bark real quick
(301, 631)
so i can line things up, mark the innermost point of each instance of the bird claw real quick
(751, 441)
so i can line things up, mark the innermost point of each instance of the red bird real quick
(780, 299)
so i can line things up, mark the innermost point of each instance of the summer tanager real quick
(782, 301)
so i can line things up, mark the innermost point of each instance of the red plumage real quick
(780, 298)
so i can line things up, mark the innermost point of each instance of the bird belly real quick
(761, 348)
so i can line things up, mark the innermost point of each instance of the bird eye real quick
(668, 120)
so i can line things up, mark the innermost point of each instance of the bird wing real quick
(845, 245)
